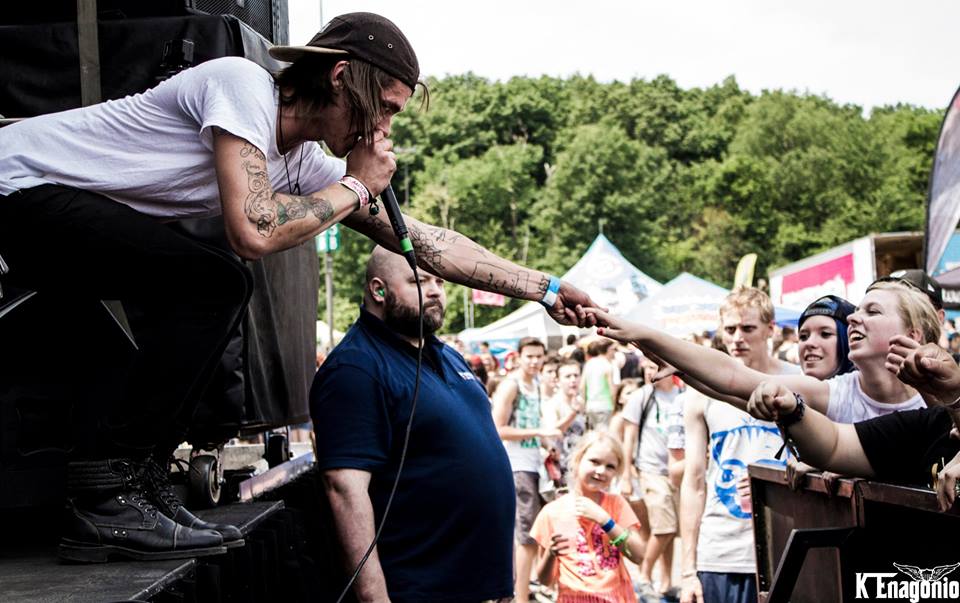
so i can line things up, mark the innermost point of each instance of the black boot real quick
(159, 491)
(107, 515)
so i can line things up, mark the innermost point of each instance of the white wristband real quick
(358, 188)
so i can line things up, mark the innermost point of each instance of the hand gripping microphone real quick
(399, 227)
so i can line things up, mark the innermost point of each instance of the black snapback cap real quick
(366, 36)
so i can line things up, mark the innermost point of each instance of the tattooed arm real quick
(456, 258)
(259, 220)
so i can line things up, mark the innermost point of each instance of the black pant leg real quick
(190, 297)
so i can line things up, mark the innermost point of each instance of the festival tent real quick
(602, 272)
(688, 304)
(323, 335)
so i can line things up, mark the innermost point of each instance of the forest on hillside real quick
(679, 180)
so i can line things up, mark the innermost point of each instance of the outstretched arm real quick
(821, 442)
(696, 384)
(712, 368)
(458, 259)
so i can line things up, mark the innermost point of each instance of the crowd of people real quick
(622, 441)
(617, 443)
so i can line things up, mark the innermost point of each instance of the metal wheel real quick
(277, 450)
(206, 476)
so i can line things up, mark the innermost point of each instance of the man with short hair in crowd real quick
(450, 528)
(548, 376)
(516, 413)
(715, 520)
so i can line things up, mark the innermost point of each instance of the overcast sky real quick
(867, 53)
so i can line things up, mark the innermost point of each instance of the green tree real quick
(681, 179)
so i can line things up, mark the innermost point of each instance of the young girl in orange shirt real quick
(584, 535)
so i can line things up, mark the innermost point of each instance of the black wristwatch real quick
(796, 415)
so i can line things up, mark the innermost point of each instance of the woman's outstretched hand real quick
(615, 327)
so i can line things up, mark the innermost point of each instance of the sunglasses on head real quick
(895, 279)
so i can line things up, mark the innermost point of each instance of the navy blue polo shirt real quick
(449, 535)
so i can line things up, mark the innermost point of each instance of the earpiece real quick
(380, 291)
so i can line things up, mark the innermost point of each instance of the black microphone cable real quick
(400, 230)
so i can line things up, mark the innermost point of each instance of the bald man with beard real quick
(449, 533)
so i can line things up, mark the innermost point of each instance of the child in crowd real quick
(565, 412)
(584, 535)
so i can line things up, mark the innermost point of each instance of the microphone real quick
(399, 226)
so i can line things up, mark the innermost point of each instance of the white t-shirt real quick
(848, 403)
(651, 454)
(153, 151)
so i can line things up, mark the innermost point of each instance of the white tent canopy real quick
(323, 335)
(602, 272)
(689, 304)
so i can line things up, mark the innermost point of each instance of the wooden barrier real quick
(816, 546)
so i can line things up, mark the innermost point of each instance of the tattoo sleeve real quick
(457, 258)
(268, 209)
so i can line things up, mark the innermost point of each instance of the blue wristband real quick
(550, 297)
(609, 525)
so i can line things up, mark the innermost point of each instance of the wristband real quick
(357, 187)
(550, 297)
(609, 525)
(795, 415)
(955, 405)
(621, 539)
(786, 421)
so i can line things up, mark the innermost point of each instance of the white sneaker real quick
(646, 592)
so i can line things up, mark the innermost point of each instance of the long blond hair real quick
(915, 309)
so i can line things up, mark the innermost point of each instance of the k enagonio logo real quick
(923, 584)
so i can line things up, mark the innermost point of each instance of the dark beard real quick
(405, 321)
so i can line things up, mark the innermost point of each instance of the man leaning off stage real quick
(448, 535)
(99, 184)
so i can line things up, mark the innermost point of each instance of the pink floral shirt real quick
(591, 569)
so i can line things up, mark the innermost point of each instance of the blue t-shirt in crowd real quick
(449, 535)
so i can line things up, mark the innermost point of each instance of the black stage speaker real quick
(40, 67)
(267, 17)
